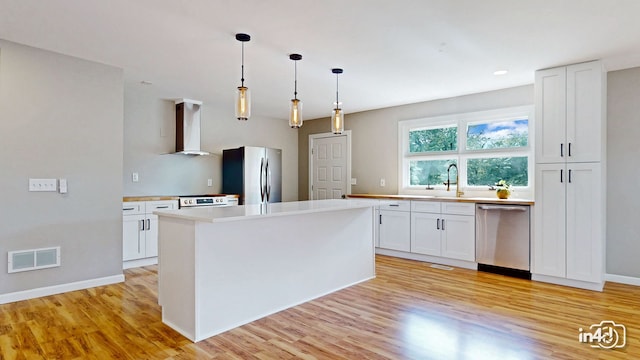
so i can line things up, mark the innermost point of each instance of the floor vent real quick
(34, 259)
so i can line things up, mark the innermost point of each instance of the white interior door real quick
(329, 166)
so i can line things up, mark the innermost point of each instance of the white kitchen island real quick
(220, 268)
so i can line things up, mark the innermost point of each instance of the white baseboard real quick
(58, 289)
(428, 258)
(139, 262)
(622, 279)
(568, 282)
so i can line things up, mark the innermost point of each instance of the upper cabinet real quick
(570, 112)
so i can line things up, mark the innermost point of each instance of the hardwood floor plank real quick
(409, 311)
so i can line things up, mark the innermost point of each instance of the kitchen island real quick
(219, 268)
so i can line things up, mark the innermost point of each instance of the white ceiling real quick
(392, 52)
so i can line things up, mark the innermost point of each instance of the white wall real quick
(623, 172)
(149, 135)
(60, 117)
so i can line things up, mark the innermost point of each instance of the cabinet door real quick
(151, 236)
(133, 237)
(425, 233)
(549, 242)
(585, 240)
(550, 94)
(458, 237)
(395, 230)
(584, 112)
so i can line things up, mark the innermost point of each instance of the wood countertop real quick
(161, 197)
(486, 200)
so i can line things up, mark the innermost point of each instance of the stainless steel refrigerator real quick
(254, 173)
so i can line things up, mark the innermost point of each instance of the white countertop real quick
(243, 212)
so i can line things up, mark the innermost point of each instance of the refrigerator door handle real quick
(267, 174)
(262, 187)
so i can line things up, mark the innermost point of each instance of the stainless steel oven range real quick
(204, 201)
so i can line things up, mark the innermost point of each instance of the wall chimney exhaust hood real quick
(188, 127)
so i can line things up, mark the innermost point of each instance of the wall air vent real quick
(34, 259)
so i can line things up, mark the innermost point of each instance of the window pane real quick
(498, 135)
(489, 171)
(429, 172)
(433, 139)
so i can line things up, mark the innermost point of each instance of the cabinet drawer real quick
(457, 208)
(426, 206)
(132, 207)
(161, 205)
(399, 205)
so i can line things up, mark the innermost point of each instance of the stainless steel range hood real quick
(188, 127)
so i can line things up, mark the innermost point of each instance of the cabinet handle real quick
(162, 207)
(148, 224)
(561, 150)
(380, 219)
(394, 205)
(438, 224)
(141, 225)
(569, 175)
(442, 224)
(569, 151)
(127, 209)
(561, 176)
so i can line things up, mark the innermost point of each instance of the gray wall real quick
(61, 117)
(149, 135)
(623, 172)
(375, 153)
(375, 135)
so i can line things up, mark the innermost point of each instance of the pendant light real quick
(243, 99)
(295, 111)
(337, 118)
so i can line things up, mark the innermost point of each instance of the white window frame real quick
(462, 154)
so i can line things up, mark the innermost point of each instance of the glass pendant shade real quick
(337, 117)
(243, 103)
(295, 113)
(243, 98)
(337, 121)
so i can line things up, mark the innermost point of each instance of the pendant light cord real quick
(295, 80)
(242, 67)
(337, 102)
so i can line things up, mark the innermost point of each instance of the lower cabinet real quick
(140, 230)
(443, 229)
(394, 227)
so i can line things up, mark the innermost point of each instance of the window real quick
(486, 147)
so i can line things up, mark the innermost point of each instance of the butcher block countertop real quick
(161, 197)
(148, 198)
(484, 200)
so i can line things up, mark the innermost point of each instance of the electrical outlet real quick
(382, 182)
(134, 177)
(209, 182)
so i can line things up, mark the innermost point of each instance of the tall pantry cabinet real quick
(569, 231)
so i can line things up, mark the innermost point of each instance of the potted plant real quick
(503, 189)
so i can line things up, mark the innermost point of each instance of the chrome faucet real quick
(457, 183)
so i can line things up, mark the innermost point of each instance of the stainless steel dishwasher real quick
(502, 239)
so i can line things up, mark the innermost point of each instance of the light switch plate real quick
(354, 181)
(43, 185)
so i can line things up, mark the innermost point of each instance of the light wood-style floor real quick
(410, 311)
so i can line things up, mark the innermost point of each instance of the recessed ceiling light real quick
(500, 72)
